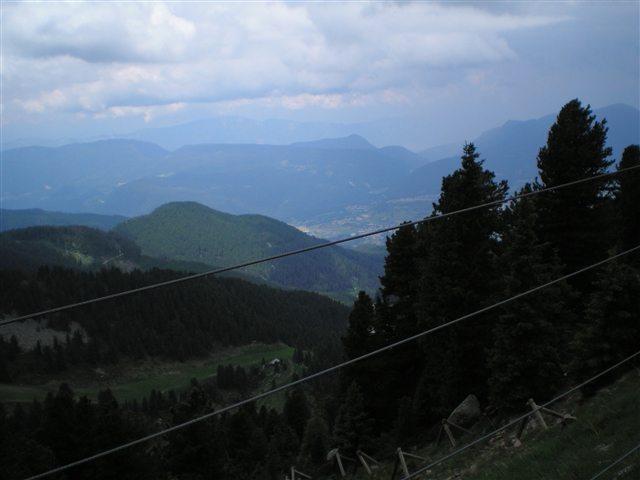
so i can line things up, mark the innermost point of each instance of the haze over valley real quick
(330, 188)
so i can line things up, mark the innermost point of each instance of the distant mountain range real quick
(128, 177)
(511, 150)
(329, 187)
(233, 129)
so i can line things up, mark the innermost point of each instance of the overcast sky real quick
(83, 69)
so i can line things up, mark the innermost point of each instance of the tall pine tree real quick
(611, 327)
(459, 274)
(194, 451)
(575, 220)
(378, 376)
(526, 357)
(627, 201)
(352, 428)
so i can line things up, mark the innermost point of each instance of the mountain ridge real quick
(332, 187)
(189, 231)
(16, 219)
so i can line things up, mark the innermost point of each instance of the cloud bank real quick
(149, 60)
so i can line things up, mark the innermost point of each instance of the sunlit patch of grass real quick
(84, 260)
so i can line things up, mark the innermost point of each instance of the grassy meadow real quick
(136, 380)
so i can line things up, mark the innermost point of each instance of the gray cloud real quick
(115, 60)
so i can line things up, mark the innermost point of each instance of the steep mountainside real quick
(185, 320)
(193, 232)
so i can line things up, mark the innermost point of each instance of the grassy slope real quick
(608, 426)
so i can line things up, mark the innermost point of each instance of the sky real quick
(453, 69)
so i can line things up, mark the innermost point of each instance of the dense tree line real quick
(449, 267)
(251, 442)
(176, 322)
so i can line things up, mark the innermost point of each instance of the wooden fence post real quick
(537, 413)
(444, 421)
(402, 462)
(395, 467)
(340, 465)
(294, 471)
(446, 429)
(523, 424)
(361, 456)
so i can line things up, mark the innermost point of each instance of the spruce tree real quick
(358, 339)
(627, 201)
(611, 328)
(283, 446)
(459, 274)
(316, 441)
(400, 279)
(193, 450)
(396, 310)
(384, 378)
(395, 319)
(575, 220)
(525, 359)
(352, 428)
(246, 445)
(296, 411)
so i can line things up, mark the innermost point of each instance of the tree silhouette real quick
(575, 220)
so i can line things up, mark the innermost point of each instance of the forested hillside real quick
(193, 232)
(184, 321)
(178, 323)
(72, 246)
(88, 249)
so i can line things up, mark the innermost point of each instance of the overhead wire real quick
(513, 422)
(342, 365)
(616, 462)
(306, 249)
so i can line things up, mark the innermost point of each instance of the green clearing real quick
(136, 381)
(84, 260)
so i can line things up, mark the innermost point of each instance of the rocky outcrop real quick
(467, 413)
